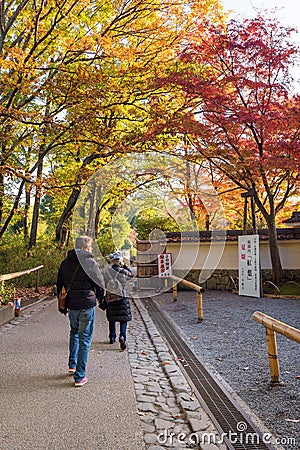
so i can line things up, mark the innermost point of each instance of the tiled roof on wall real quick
(229, 235)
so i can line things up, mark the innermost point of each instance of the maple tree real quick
(75, 82)
(139, 45)
(240, 112)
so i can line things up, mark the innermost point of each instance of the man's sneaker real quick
(122, 343)
(112, 340)
(81, 382)
(72, 370)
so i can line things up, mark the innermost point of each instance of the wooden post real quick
(200, 307)
(273, 357)
(174, 291)
(11, 276)
(37, 279)
(245, 214)
(254, 225)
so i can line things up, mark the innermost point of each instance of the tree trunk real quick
(91, 223)
(269, 216)
(27, 198)
(26, 211)
(97, 217)
(13, 209)
(36, 207)
(62, 223)
(277, 271)
(60, 232)
(1, 196)
(189, 193)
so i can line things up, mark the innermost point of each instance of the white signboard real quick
(164, 265)
(249, 272)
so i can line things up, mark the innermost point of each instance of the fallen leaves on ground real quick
(28, 296)
(29, 292)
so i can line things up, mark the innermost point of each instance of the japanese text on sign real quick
(164, 265)
(249, 272)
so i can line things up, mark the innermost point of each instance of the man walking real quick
(80, 275)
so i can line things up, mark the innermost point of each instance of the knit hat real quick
(115, 257)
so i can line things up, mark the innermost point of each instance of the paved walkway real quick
(40, 408)
(134, 400)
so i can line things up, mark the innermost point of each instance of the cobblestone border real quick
(171, 415)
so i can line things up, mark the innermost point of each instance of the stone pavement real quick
(136, 399)
(171, 415)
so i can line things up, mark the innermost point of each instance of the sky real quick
(288, 10)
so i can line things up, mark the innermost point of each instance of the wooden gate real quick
(147, 268)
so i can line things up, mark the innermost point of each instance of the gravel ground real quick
(231, 343)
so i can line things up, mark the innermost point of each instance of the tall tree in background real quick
(36, 43)
(241, 113)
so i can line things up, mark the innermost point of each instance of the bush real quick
(14, 257)
(7, 292)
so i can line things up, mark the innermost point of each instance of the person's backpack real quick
(114, 290)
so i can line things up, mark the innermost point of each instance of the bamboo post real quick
(196, 288)
(272, 326)
(200, 306)
(279, 327)
(273, 357)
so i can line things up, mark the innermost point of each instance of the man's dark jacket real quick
(88, 283)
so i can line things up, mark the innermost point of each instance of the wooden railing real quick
(193, 286)
(11, 276)
(272, 326)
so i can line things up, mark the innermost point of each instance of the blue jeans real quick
(81, 333)
(112, 330)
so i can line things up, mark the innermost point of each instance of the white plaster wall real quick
(290, 254)
(191, 255)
